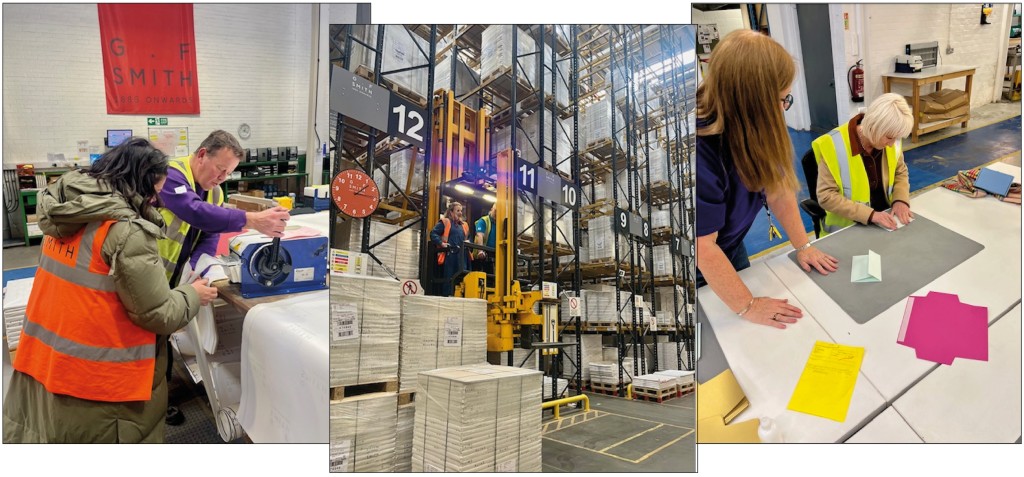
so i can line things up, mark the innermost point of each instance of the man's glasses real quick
(787, 102)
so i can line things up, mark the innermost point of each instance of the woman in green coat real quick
(40, 405)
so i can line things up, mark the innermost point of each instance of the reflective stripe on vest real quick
(176, 229)
(487, 232)
(78, 339)
(448, 228)
(851, 179)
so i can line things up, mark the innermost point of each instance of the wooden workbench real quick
(232, 294)
(928, 76)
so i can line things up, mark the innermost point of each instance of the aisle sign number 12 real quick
(407, 121)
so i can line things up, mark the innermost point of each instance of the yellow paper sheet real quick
(720, 396)
(712, 430)
(826, 384)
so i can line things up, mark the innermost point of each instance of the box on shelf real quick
(402, 49)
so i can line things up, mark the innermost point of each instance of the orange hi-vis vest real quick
(77, 338)
(444, 237)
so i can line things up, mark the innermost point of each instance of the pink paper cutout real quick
(940, 328)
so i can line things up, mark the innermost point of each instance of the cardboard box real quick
(941, 101)
(32, 218)
(954, 113)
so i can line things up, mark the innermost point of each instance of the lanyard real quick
(773, 231)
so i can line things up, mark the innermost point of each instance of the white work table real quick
(991, 279)
(972, 401)
(767, 363)
(888, 428)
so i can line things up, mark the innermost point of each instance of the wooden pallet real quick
(396, 88)
(342, 392)
(656, 395)
(687, 388)
(608, 389)
(408, 397)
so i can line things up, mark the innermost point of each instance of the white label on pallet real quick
(343, 322)
(453, 331)
(341, 456)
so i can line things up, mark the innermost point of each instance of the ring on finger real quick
(775, 317)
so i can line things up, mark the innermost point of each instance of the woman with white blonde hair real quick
(861, 172)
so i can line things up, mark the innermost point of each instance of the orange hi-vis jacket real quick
(444, 237)
(78, 339)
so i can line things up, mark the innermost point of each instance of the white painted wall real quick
(888, 27)
(253, 66)
(727, 20)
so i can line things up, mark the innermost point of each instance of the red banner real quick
(149, 58)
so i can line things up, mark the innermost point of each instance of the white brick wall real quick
(888, 28)
(253, 63)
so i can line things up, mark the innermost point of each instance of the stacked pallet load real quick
(604, 375)
(685, 379)
(496, 52)
(655, 387)
(15, 301)
(590, 352)
(401, 166)
(601, 237)
(403, 439)
(364, 318)
(440, 332)
(401, 50)
(667, 353)
(478, 418)
(362, 433)
(563, 385)
(465, 80)
(399, 254)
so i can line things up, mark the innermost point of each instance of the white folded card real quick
(899, 225)
(866, 268)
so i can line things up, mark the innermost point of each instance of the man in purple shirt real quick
(192, 200)
(194, 217)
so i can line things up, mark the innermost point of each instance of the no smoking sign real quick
(574, 306)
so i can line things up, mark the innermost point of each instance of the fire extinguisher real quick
(855, 77)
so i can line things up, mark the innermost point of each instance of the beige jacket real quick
(831, 198)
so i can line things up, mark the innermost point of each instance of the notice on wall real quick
(172, 141)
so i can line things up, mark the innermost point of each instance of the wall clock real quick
(244, 131)
(355, 193)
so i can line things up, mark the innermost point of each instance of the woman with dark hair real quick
(89, 365)
(744, 162)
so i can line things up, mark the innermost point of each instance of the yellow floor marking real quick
(655, 451)
(659, 426)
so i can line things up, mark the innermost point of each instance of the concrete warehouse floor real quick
(624, 436)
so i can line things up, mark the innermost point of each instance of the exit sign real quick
(156, 121)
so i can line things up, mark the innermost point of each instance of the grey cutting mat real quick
(912, 257)
(712, 361)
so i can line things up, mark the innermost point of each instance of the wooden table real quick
(232, 294)
(928, 76)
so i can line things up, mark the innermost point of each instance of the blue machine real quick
(275, 266)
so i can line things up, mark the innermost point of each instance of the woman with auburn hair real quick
(861, 172)
(745, 160)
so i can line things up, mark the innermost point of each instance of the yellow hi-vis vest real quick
(176, 229)
(833, 149)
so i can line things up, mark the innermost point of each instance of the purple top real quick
(191, 206)
(724, 204)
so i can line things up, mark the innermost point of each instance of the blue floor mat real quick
(18, 273)
(926, 164)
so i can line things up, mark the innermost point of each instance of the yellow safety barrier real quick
(629, 391)
(558, 402)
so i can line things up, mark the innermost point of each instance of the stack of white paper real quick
(667, 353)
(602, 238)
(440, 332)
(496, 52)
(682, 378)
(365, 320)
(478, 418)
(523, 358)
(363, 433)
(15, 301)
(400, 253)
(402, 49)
(563, 384)
(655, 381)
(403, 441)
(563, 307)
(605, 372)
(590, 351)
